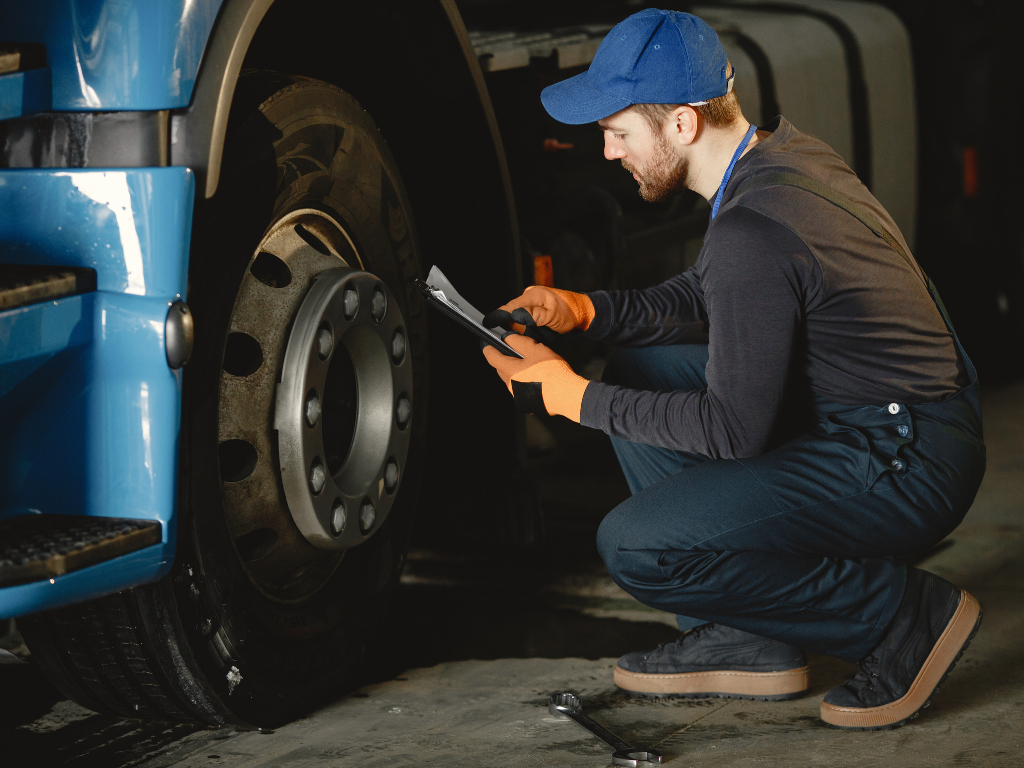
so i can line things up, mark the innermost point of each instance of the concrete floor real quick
(479, 640)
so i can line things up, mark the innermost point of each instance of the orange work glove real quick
(542, 382)
(559, 310)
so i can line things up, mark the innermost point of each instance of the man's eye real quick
(619, 136)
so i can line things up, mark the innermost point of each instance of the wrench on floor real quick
(568, 705)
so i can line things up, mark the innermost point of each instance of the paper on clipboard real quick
(444, 292)
(439, 284)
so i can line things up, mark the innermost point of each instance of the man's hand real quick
(559, 310)
(542, 382)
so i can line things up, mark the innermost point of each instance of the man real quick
(791, 413)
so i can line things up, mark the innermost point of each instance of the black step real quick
(22, 284)
(40, 547)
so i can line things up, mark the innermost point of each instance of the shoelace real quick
(863, 674)
(694, 633)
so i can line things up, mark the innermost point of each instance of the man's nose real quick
(613, 149)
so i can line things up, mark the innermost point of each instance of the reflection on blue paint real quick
(125, 224)
(115, 54)
(90, 409)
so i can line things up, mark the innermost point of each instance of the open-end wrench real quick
(568, 705)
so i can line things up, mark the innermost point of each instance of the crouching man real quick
(791, 414)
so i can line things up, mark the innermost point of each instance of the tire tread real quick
(95, 655)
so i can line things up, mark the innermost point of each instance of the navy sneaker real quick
(933, 625)
(717, 661)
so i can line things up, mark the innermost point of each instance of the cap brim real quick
(575, 101)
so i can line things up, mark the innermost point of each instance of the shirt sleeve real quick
(671, 313)
(755, 278)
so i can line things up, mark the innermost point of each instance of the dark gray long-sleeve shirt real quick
(792, 294)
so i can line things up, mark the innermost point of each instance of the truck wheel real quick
(302, 433)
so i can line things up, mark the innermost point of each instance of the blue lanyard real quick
(732, 164)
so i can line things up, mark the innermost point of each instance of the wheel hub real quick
(342, 409)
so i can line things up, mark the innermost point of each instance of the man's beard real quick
(664, 176)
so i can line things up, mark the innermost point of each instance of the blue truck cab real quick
(86, 387)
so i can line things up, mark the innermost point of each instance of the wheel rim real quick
(269, 445)
(349, 317)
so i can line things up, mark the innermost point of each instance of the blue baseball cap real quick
(652, 57)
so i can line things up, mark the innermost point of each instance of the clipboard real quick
(440, 294)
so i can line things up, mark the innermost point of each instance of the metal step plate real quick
(30, 284)
(39, 547)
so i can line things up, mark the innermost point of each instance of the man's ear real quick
(683, 125)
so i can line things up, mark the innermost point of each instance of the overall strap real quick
(859, 212)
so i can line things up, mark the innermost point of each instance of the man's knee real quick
(607, 542)
(625, 549)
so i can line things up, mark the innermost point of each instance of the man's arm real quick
(671, 313)
(755, 277)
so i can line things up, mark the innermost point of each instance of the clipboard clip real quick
(453, 311)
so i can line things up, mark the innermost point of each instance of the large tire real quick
(224, 639)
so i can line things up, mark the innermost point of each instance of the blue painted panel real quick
(32, 336)
(93, 430)
(125, 224)
(90, 409)
(133, 411)
(22, 93)
(115, 54)
(45, 441)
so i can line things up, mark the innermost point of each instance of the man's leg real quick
(792, 545)
(713, 543)
(786, 545)
(677, 367)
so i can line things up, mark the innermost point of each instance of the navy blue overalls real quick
(797, 544)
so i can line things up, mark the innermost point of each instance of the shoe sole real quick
(944, 655)
(720, 684)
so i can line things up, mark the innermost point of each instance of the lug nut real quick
(391, 475)
(367, 516)
(317, 476)
(338, 517)
(312, 409)
(398, 347)
(350, 303)
(324, 343)
(378, 305)
(403, 410)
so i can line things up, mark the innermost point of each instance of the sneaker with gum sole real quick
(716, 661)
(933, 626)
